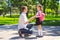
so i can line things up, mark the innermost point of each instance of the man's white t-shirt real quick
(22, 20)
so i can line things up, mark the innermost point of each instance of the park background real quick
(10, 11)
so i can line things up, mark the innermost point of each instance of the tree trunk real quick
(44, 6)
(10, 12)
(57, 8)
(4, 14)
(1, 12)
(40, 2)
(56, 12)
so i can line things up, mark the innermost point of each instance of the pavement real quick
(10, 32)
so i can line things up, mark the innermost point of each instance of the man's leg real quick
(20, 34)
(29, 26)
(23, 31)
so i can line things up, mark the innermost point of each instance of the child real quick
(23, 26)
(39, 19)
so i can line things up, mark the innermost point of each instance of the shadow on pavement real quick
(9, 27)
(48, 31)
(14, 38)
(17, 37)
(1, 38)
(52, 30)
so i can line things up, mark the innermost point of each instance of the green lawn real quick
(49, 20)
(8, 20)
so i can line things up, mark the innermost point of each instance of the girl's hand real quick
(37, 16)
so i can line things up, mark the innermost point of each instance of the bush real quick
(50, 12)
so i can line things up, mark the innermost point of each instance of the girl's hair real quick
(40, 6)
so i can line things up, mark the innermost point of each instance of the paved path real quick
(9, 32)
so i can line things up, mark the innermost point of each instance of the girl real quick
(39, 20)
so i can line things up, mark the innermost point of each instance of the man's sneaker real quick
(39, 36)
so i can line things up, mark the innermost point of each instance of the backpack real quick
(42, 16)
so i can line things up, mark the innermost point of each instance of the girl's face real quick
(38, 8)
(26, 10)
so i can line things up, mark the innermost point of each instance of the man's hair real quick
(23, 7)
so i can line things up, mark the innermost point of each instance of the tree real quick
(3, 7)
(54, 5)
(51, 4)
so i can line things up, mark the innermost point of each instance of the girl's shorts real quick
(38, 22)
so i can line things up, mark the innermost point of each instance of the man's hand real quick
(37, 16)
(30, 19)
(26, 22)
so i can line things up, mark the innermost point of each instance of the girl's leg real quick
(39, 27)
(40, 30)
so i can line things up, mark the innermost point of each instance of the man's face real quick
(26, 9)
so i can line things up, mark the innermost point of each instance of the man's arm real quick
(30, 19)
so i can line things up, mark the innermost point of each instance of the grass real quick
(51, 23)
(49, 20)
(8, 20)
